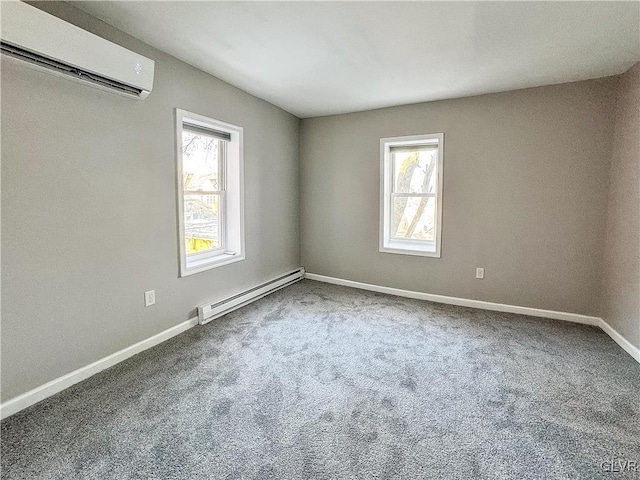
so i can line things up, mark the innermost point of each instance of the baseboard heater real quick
(211, 311)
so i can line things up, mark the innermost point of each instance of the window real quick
(210, 183)
(411, 194)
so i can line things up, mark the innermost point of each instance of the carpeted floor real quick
(318, 381)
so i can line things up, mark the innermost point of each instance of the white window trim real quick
(234, 166)
(401, 246)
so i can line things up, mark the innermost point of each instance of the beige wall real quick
(89, 210)
(525, 194)
(621, 280)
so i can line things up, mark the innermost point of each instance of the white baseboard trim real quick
(497, 307)
(626, 345)
(462, 302)
(57, 385)
(48, 389)
(31, 397)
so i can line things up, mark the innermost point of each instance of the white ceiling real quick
(320, 58)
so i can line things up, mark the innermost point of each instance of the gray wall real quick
(621, 281)
(525, 195)
(89, 210)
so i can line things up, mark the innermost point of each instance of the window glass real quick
(210, 192)
(411, 188)
(415, 171)
(201, 168)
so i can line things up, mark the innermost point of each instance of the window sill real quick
(411, 248)
(197, 266)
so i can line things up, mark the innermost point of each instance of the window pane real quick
(200, 162)
(201, 223)
(414, 218)
(415, 172)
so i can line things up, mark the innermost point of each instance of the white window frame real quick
(231, 193)
(408, 247)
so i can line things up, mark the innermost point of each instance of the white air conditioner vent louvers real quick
(45, 42)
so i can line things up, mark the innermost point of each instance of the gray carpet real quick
(325, 382)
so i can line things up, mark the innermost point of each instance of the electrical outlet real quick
(149, 298)
(479, 272)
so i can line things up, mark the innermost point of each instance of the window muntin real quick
(411, 185)
(210, 199)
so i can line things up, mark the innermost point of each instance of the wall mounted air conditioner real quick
(43, 41)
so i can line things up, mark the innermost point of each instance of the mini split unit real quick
(47, 43)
